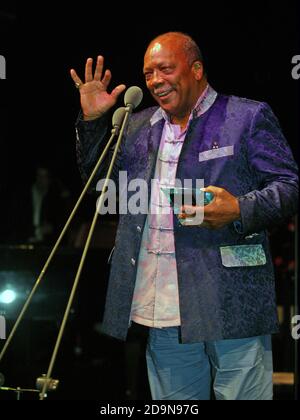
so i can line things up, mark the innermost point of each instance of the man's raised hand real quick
(94, 98)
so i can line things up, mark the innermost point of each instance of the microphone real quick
(120, 116)
(133, 97)
(117, 120)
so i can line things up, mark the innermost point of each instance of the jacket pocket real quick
(243, 255)
(216, 153)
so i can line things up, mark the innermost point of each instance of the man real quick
(205, 292)
(44, 207)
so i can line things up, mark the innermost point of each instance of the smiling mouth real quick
(163, 94)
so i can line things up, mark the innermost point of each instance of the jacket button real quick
(138, 228)
(133, 261)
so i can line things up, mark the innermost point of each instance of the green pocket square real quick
(243, 255)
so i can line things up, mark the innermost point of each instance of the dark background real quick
(248, 49)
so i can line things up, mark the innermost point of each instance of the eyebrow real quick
(161, 64)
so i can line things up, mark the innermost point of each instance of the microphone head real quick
(133, 96)
(118, 116)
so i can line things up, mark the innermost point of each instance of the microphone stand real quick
(119, 114)
(296, 305)
(130, 105)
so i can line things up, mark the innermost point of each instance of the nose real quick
(156, 78)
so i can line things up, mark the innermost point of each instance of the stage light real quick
(7, 296)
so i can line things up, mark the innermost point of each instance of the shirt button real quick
(133, 261)
(138, 228)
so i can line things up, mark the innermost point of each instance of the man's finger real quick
(106, 79)
(88, 70)
(99, 68)
(118, 90)
(76, 79)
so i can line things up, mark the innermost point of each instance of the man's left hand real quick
(223, 209)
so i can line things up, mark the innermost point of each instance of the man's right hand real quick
(94, 98)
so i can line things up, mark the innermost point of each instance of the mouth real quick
(163, 94)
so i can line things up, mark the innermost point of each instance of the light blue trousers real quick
(239, 369)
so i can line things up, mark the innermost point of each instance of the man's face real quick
(170, 78)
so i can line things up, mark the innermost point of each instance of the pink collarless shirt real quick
(156, 300)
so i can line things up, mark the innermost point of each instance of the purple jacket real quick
(225, 277)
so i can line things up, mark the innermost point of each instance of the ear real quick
(198, 70)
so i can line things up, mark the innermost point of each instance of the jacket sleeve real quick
(91, 139)
(272, 163)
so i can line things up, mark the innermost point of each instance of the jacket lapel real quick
(154, 137)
